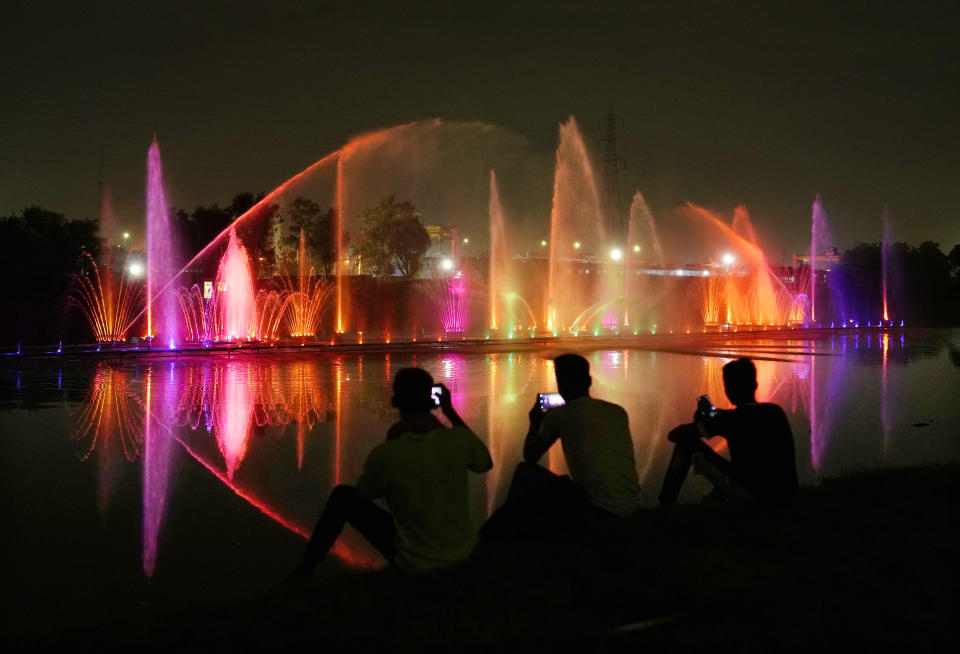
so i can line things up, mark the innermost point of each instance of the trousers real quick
(346, 506)
(542, 505)
(691, 451)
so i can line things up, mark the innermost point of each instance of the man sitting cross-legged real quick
(421, 472)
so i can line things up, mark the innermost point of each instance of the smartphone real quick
(550, 400)
(435, 393)
(705, 406)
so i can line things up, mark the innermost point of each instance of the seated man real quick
(421, 471)
(595, 436)
(761, 464)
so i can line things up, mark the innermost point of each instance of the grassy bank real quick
(866, 561)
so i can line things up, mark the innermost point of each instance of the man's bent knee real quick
(684, 434)
(344, 493)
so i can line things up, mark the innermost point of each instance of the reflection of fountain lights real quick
(111, 410)
(157, 457)
(234, 415)
(229, 398)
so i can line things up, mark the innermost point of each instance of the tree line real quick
(40, 250)
(391, 237)
(923, 282)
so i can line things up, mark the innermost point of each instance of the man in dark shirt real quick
(761, 464)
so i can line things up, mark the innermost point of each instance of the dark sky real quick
(763, 105)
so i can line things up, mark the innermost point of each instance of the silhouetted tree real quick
(859, 277)
(954, 258)
(392, 238)
(408, 242)
(920, 288)
(319, 232)
(39, 250)
(197, 229)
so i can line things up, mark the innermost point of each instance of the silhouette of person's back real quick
(421, 471)
(596, 442)
(762, 462)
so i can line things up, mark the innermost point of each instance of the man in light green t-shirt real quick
(603, 486)
(421, 472)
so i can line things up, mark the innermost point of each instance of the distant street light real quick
(126, 235)
(543, 244)
(135, 268)
(616, 254)
(446, 264)
(466, 240)
(576, 245)
(727, 259)
(636, 248)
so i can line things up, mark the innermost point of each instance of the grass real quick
(867, 561)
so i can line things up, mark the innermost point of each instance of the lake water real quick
(198, 478)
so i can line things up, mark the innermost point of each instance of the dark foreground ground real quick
(867, 562)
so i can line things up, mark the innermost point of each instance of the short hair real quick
(572, 370)
(740, 374)
(411, 389)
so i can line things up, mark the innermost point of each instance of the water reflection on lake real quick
(201, 455)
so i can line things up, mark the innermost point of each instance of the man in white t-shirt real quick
(596, 442)
(421, 471)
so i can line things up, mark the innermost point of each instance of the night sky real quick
(755, 105)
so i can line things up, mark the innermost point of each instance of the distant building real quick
(441, 258)
(824, 264)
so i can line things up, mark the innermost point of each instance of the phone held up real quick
(549, 401)
(705, 407)
(435, 393)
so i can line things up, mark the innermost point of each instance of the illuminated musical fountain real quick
(582, 281)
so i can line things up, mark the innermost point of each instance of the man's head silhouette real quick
(573, 376)
(411, 391)
(740, 381)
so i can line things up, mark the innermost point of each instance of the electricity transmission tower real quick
(614, 216)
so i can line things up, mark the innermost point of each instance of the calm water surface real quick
(198, 478)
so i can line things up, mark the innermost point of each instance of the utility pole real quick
(100, 194)
(615, 218)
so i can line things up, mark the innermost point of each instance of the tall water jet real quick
(643, 230)
(766, 300)
(576, 226)
(819, 235)
(884, 264)
(162, 306)
(499, 254)
(338, 268)
(767, 305)
(237, 311)
(642, 239)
